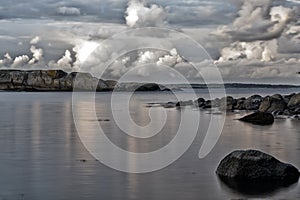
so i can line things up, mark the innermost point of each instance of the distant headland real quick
(58, 80)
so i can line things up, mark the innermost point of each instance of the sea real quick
(42, 155)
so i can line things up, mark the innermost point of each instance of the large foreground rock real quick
(259, 118)
(252, 165)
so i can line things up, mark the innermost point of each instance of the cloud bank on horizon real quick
(248, 40)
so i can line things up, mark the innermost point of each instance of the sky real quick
(254, 41)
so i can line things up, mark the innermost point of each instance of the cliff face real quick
(58, 80)
(49, 80)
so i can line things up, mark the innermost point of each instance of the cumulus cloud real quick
(68, 11)
(35, 40)
(37, 54)
(146, 61)
(7, 60)
(258, 20)
(257, 31)
(170, 60)
(244, 70)
(263, 41)
(258, 50)
(20, 61)
(139, 15)
(24, 60)
(66, 61)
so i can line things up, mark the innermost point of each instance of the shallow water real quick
(42, 156)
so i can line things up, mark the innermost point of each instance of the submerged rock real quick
(253, 165)
(259, 118)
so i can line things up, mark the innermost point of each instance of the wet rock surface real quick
(259, 118)
(276, 105)
(253, 165)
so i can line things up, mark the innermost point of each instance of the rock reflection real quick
(255, 188)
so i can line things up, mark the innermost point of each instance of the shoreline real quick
(59, 80)
(277, 104)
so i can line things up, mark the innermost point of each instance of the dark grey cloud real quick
(180, 12)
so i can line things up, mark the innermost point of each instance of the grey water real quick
(42, 157)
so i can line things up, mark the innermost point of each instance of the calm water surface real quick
(41, 153)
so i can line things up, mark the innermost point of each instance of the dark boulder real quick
(259, 118)
(253, 102)
(294, 101)
(207, 104)
(251, 165)
(253, 172)
(140, 87)
(228, 103)
(287, 98)
(199, 102)
(149, 87)
(272, 104)
(240, 104)
(111, 84)
(216, 103)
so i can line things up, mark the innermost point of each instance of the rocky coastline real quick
(277, 104)
(58, 80)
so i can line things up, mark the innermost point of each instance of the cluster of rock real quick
(276, 104)
(58, 80)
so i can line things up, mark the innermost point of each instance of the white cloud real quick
(20, 61)
(262, 43)
(83, 51)
(68, 11)
(37, 54)
(259, 50)
(7, 60)
(35, 40)
(170, 60)
(140, 15)
(258, 20)
(66, 61)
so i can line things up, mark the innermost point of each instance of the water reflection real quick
(255, 188)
